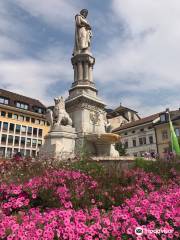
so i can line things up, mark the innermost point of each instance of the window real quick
(3, 114)
(32, 120)
(5, 126)
(23, 139)
(15, 116)
(28, 142)
(16, 150)
(9, 115)
(16, 141)
(18, 128)
(177, 131)
(142, 129)
(11, 127)
(125, 133)
(23, 129)
(37, 121)
(134, 142)
(33, 153)
(163, 118)
(42, 122)
(142, 141)
(27, 119)
(3, 138)
(40, 132)
(21, 118)
(9, 152)
(39, 143)
(34, 131)
(10, 139)
(29, 132)
(4, 100)
(34, 141)
(22, 105)
(28, 153)
(22, 152)
(126, 144)
(133, 131)
(2, 151)
(39, 110)
(164, 134)
(151, 140)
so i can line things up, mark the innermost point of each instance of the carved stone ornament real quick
(95, 117)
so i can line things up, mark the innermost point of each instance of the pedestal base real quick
(59, 143)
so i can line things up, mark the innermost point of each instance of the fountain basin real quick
(106, 138)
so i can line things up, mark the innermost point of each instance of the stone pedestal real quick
(83, 105)
(59, 143)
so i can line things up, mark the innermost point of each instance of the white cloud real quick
(57, 13)
(31, 77)
(22, 73)
(145, 58)
(148, 58)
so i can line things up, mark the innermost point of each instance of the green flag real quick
(174, 139)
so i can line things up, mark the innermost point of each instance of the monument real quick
(82, 120)
(60, 141)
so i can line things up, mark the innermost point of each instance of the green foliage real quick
(160, 167)
(91, 168)
(120, 148)
(46, 199)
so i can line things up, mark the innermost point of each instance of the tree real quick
(120, 148)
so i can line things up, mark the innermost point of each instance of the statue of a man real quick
(83, 33)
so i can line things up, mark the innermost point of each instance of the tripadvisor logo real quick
(139, 231)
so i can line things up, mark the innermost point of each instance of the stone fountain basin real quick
(106, 138)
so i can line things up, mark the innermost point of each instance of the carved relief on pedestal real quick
(94, 117)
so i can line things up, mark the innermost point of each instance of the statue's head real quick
(59, 101)
(84, 12)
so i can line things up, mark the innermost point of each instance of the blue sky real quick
(135, 43)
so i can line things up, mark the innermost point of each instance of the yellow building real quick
(163, 131)
(22, 124)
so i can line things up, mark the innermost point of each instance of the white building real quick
(139, 136)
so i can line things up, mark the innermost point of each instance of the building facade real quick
(121, 115)
(163, 131)
(139, 137)
(150, 134)
(22, 124)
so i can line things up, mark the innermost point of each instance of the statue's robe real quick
(82, 34)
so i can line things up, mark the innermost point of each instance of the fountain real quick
(81, 119)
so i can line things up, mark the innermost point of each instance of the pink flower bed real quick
(65, 204)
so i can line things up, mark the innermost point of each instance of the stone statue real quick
(83, 33)
(58, 116)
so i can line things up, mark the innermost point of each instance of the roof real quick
(121, 110)
(175, 115)
(141, 121)
(14, 97)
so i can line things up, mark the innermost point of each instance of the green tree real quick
(120, 148)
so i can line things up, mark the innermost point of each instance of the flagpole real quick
(169, 118)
